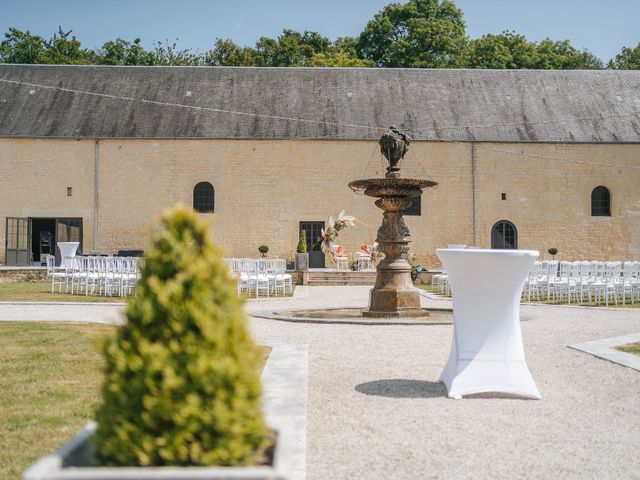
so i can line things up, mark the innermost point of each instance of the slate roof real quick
(319, 103)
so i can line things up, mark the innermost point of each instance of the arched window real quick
(504, 235)
(600, 202)
(203, 197)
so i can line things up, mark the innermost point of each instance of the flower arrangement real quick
(331, 233)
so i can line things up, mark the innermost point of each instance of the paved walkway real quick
(376, 410)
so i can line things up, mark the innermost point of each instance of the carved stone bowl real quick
(391, 187)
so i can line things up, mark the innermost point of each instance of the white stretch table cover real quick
(67, 249)
(486, 351)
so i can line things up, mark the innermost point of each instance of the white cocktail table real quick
(67, 249)
(486, 351)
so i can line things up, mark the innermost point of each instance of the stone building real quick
(526, 159)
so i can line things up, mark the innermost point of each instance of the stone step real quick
(341, 278)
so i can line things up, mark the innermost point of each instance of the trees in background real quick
(417, 34)
(61, 48)
(627, 59)
(512, 51)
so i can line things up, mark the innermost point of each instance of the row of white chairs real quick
(257, 277)
(599, 282)
(551, 280)
(95, 275)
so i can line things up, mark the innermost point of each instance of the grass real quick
(50, 376)
(49, 383)
(630, 348)
(41, 292)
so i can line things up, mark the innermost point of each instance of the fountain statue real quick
(393, 294)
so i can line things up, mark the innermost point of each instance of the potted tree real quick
(553, 252)
(181, 394)
(302, 257)
(263, 249)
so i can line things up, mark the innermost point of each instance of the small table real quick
(67, 249)
(486, 352)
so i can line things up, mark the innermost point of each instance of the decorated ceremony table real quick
(486, 352)
(67, 249)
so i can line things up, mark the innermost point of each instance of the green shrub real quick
(302, 242)
(181, 383)
(263, 249)
(553, 252)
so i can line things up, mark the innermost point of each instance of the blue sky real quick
(602, 27)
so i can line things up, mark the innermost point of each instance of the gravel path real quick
(376, 411)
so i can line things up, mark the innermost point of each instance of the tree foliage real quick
(627, 59)
(123, 52)
(227, 53)
(181, 380)
(61, 48)
(416, 34)
(421, 33)
(513, 51)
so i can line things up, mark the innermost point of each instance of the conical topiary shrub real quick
(181, 381)
(302, 242)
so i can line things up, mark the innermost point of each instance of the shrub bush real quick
(302, 242)
(263, 249)
(181, 382)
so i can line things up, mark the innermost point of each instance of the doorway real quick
(27, 240)
(313, 231)
(42, 238)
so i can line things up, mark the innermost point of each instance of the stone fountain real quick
(393, 294)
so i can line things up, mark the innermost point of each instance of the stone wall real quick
(264, 188)
(18, 275)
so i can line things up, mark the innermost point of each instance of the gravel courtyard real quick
(377, 411)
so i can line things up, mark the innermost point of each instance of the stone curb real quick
(605, 349)
(284, 397)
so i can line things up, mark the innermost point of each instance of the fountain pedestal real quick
(393, 294)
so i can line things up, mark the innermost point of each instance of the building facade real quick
(524, 159)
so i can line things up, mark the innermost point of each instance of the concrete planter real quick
(76, 460)
(302, 262)
(284, 396)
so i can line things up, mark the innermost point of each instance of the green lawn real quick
(49, 382)
(41, 292)
(630, 348)
(49, 387)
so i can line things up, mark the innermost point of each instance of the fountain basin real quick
(354, 316)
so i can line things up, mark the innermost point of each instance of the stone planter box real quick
(284, 396)
(76, 460)
(302, 261)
